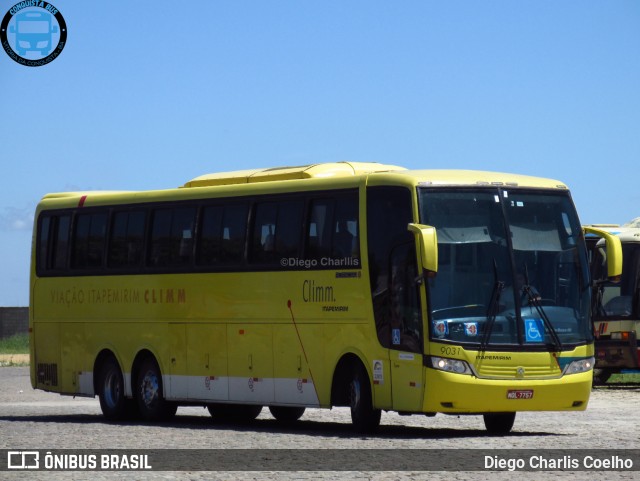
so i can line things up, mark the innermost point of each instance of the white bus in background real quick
(616, 310)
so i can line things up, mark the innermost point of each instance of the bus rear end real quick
(616, 306)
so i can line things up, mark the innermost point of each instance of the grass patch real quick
(624, 378)
(18, 344)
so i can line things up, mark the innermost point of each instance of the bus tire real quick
(499, 423)
(286, 414)
(111, 390)
(363, 415)
(234, 413)
(601, 376)
(151, 402)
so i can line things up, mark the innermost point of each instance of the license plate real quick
(520, 394)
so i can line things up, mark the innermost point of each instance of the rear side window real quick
(61, 243)
(42, 254)
(53, 243)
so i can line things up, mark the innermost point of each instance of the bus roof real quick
(312, 171)
(481, 178)
(633, 223)
(629, 232)
(350, 169)
(342, 174)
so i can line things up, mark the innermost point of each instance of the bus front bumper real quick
(458, 393)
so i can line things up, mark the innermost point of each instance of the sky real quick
(148, 95)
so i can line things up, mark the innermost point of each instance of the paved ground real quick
(37, 420)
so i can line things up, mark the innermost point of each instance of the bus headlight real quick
(582, 365)
(450, 365)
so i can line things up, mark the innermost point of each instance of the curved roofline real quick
(311, 171)
(351, 169)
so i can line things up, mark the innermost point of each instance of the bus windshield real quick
(512, 269)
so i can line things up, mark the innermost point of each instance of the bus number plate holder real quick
(520, 394)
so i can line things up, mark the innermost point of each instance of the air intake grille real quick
(48, 374)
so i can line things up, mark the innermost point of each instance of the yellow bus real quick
(616, 311)
(338, 284)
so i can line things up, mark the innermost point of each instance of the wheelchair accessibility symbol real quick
(534, 330)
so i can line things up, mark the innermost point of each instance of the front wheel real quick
(499, 423)
(151, 401)
(363, 415)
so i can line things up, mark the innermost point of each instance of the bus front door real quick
(407, 373)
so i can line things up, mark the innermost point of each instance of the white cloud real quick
(16, 219)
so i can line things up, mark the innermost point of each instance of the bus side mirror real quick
(427, 240)
(613, 250)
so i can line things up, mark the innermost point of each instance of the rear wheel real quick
(234, 413)
(151, 402)
(111, 391)
(363, 415)
(286, 414)
(499, 423)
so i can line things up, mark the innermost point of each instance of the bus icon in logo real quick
(33, 32)
(23, 460)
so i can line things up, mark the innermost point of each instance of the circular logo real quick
(33, 33)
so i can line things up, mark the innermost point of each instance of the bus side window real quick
(264, 230)
(126, 239)
(343, 240)
(172, 237)
(289, 229)
(222, 235)
(53, 243)
(209, 242)
(160, 232)
(319, 228)
(269, 242)
(276, 231)
(345, 232)
(234, 229)
(42, 260)
(61, 243)
(89, 240)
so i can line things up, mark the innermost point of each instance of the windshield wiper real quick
(494, 307)
(534, 300)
